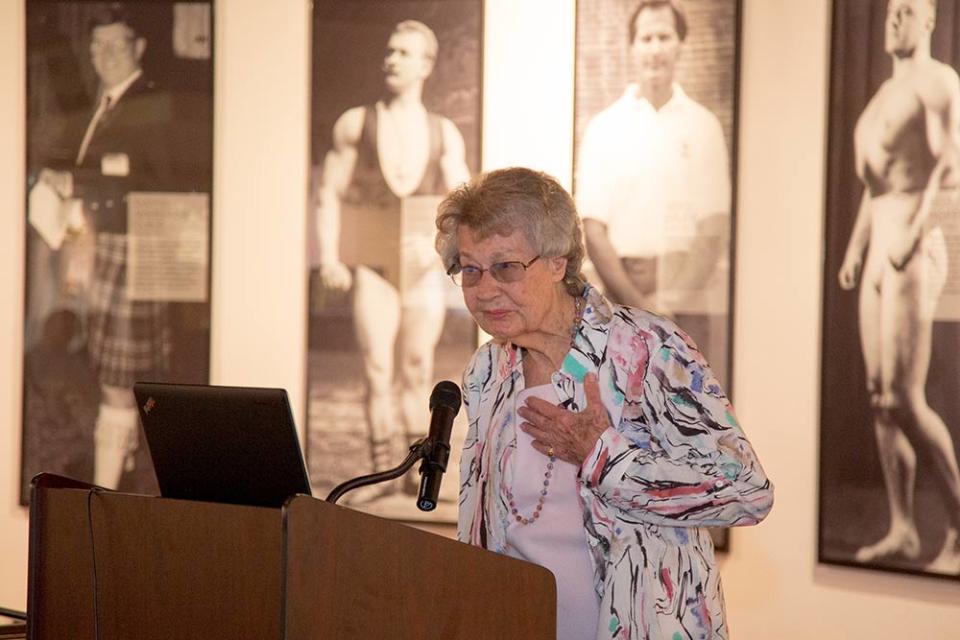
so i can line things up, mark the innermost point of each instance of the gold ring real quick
(550, 451)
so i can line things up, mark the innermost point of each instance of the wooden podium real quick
(106, 565)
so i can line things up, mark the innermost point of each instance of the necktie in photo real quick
(98, 114)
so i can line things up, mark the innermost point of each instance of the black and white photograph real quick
(655, 133)
(890, 412)
(395, 125)
(119, 165)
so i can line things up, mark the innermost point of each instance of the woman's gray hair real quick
(515, 199)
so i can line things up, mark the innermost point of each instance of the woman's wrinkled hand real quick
(568, 435)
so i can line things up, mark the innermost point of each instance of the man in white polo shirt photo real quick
(653, 187)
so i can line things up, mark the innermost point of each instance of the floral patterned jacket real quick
(675, 461)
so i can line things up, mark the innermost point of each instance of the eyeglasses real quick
(470, 276)
(110, 46)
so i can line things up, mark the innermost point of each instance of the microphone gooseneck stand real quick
(434, 450)
(420, 449)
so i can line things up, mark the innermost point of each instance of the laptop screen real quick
(237, 445)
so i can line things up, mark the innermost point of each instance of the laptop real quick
(236, 445)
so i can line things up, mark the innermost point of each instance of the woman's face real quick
(508, 310)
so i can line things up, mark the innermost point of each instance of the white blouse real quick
(556, 540)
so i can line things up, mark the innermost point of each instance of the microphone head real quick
(446, 394)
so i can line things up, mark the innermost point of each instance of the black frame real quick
(851, 496)
(731, 129)
(58, 30)
(373, 20)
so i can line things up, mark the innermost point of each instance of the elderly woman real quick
(600, 443)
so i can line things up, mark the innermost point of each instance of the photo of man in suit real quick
(131, 124)
(123, 148)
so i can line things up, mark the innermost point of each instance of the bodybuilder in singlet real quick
(906, 145)
(383, 153)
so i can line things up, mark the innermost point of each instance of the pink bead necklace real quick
(551, 458)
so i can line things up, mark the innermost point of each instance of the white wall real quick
(774, 587)
(13, 519)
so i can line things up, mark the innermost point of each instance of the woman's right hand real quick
(850, 271)
(568, 435)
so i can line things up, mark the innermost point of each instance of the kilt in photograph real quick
(128, 340)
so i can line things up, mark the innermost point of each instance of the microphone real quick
(444, 407)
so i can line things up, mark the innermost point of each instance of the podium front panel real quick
(353, 575)
(164, 568)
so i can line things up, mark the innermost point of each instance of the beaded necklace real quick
(551, 458)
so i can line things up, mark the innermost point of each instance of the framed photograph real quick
(655, 143)
(395, 124)
(889, 494)
(119, 165)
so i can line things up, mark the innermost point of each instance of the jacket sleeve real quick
(678, 456)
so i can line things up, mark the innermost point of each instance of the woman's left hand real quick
(568, 435)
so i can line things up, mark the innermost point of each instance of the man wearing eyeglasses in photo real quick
(385, 156)
(653, 187)
(123, 146)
